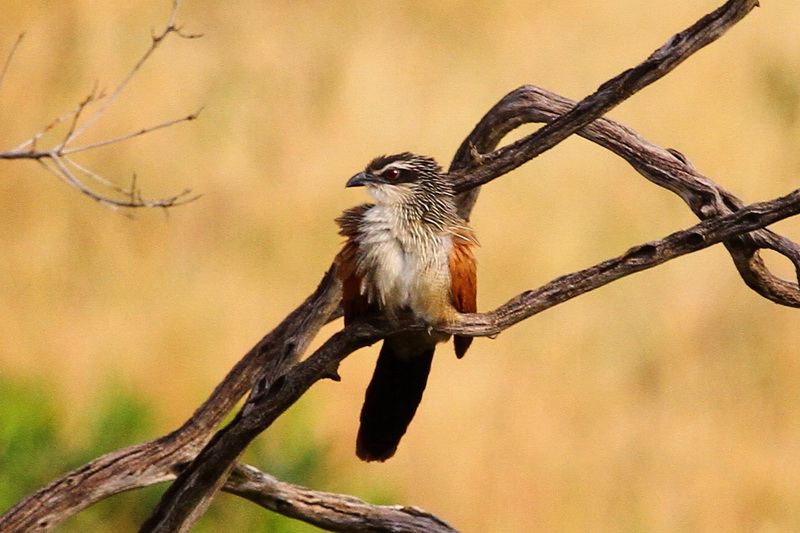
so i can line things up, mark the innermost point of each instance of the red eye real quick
(391, 174)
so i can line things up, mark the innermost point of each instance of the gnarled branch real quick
(329, 511)
(188, 495)
(667, 168)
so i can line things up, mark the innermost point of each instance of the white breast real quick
(404, 265)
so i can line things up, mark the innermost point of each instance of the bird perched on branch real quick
(408, 253)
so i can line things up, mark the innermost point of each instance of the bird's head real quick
(400, 178)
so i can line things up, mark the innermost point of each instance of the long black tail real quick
(391, 401)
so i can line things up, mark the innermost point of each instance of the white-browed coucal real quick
(408, 253)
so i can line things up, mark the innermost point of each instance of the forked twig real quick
(121, 138)
(55, 159)
(155, 41)
(27, 148)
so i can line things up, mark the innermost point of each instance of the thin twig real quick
(10, 56)
(55, 159)
(96, 177)
(29, 146)
(66, 174)
(76, 116)
(60, 167)
(143, 131)
(154, 44)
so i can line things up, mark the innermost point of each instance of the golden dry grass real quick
(665, 402)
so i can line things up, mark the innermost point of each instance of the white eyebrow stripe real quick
(402, 165)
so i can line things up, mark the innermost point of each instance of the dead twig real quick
(55, 159)
(121, 138)
(10, 56)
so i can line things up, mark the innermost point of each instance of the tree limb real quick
(667, 168)
(188, 496)
(680, 47)
(158, 460)
(638, 258)
(329, 511)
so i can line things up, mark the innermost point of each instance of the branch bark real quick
(191, 493)
(484, 168)
(329, 511)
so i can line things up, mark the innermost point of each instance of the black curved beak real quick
(359, 180)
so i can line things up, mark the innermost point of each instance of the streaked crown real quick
(398, 169)
(403, 168)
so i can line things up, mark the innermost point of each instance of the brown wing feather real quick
(350, 220)
(354, 303)
(464, 285)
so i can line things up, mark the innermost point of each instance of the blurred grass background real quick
(667, 402)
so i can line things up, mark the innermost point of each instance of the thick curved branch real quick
(189, 495)
(158, 460)
(487, 167)
(666, 168)
(187, 498)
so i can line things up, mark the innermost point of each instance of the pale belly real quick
(399, 274)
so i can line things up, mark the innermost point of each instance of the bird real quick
(407, 254)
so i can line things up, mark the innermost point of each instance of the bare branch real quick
(158, 460)
(470, 173)
(666, 168)
(329, 511)
(62, 166)
(76, 116)
(28, 147)
(122, 138)
(286, 346)
(154, 44)
(638, 258)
